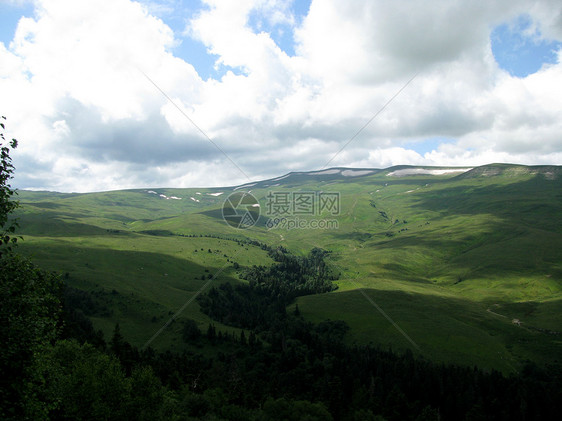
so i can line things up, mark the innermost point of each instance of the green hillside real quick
(468, 264)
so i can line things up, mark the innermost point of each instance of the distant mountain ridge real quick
(548, 171)
(349, 173)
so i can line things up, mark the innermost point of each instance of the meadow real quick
(461, 267)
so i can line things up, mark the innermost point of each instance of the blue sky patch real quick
(10, 14)
(519, 50)
(177, 16)
(424, 146)
(195, 53)
(281, 33)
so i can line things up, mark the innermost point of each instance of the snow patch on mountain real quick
(325, 172)
(355, 173)
(245, 185)
(426, 171)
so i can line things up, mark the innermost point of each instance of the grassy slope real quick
(147, 277)
(451, 259)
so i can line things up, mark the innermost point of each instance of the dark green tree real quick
(7, 204)
(85, 383)
(117, 342)
(283, 409)
(29, 309)
(147, 395)
(190, 331)
(211, 333)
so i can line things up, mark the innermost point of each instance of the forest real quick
(289, 369)
(55, 365)
(262, 302)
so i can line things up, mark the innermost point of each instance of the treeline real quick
(290, 370)
(298, 370)
(239, 241)
(312, 362)
(270, 289)
(292, 276)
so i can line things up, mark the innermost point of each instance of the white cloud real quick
(88, 119)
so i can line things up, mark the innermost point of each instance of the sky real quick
(115, 94)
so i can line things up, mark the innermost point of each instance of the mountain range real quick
(460, 265)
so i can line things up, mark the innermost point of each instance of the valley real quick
(458, 266)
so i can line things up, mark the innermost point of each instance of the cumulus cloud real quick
(78, 85)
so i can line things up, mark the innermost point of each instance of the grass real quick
(152, 276)
(451, 259)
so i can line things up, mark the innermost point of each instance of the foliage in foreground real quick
(7, 204)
